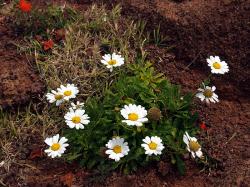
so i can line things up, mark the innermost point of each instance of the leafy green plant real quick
(140, 85)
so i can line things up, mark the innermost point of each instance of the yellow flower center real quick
(133, 116)
(152, 145)
(55, 147)
(76, 119)
(208, 93)
(117, 149)
(67, 93)
(58, 97)
(216, 65)
(194, 146)
(112, 62)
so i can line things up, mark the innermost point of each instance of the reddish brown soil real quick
(197, 29)
(18, 81)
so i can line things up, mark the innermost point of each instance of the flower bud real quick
(154, 114)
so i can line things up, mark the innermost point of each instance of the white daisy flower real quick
(217, 66)
(207, 94)
(69, 91)
(76, 118)
(134, 115)
(152, 145)
(78, 105)
(192, 145)
(55, 97)
(117, 148)
(113, 60)
(57, 147)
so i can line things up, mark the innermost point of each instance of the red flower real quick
(48, 45)
(25, 6)
(203, 126)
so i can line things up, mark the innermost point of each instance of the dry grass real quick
(78, 61)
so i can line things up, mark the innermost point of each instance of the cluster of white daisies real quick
(217, 66)
(74, 118)
(134, 115)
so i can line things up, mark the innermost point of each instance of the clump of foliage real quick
(140, 85)
(95, 32)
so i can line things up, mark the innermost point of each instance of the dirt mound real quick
(18, 81)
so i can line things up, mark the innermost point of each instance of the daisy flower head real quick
(207, 94)
(55, 97)
(111, 61)
(135, 115)
(76, 118)
(69, 91)
(56, 146)
(78, 105)
(152, 145)
(117, 148)
(192, 145)
(217, 66)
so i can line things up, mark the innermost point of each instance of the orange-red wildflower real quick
(203, 126)
(48, 45)
(25, 6)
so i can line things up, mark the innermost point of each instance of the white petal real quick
(55, 138)
(107, 57)
(185, 139)
(63, 140)
(217, 59)
(193, 154)
(198, 153)
(193, 139)
(48, 141)
(143, 120)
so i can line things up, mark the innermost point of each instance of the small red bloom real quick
(48, 45)
(25, 6)
(203, 126)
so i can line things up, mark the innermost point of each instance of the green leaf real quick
(180, 165)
